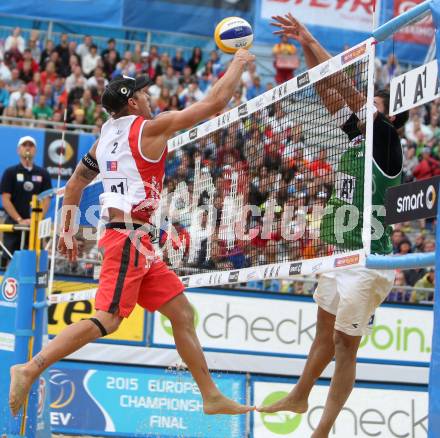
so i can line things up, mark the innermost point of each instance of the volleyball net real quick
(269, 189)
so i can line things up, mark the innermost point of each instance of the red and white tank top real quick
(132, 183)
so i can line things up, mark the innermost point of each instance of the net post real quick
(40, 328)
(434, 375)
(24, 333)
(368, 171)
(54, 239)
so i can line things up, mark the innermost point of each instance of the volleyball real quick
(233, 33)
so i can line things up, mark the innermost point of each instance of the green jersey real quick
(342, 222)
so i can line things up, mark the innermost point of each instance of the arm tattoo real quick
(40, 361)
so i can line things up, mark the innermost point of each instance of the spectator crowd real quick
(39, 82)
(267, 151)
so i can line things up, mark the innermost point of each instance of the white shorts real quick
(353, 295)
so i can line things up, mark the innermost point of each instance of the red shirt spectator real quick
(27, 56)
(227, 149)
(428, 166)
(48, 75)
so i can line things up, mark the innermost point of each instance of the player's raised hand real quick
(244, 55)
(68, 247)
(288, 25)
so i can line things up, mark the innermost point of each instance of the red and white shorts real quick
(131, 274)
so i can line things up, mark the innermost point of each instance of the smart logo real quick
(166, 323)
(412, 201)
(281, 423)
(430, 197)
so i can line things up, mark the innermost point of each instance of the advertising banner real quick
(412, 201)
(371, 410)
(89, 11)
(195, 17)
(8, 304)
(421, 32)
(414, 88)
(285, 326)
(134, 401)
(241, 5)
(336, 24)
(56, 153)
(339, 24)
(9, 291)
(132, 330)
(47, 148)
(349, 14)
(411, 43)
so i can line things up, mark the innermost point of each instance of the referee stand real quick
(23, 323)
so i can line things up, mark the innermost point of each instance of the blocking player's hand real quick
(244, 56)
(288, 25)
(68, 247)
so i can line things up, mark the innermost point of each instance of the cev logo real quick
(9, 289)
(65, 389)
(281, 423)
(166, 323)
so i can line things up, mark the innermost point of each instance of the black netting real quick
(287, 162)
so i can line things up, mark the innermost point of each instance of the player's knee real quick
(345, 345)
(184, 318)
(107, 323)
(113, 325)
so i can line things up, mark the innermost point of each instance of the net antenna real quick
(57, 204)
(374, 17)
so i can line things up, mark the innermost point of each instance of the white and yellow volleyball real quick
(233, 33)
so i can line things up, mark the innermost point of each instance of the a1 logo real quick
(166, 323)
(280, 423)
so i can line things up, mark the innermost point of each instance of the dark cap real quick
(119, 90)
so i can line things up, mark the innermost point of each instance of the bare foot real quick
(21, 384)
(289, 403)
(220, 404)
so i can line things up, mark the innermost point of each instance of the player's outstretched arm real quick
(85, 172)
(159, 130)
(314, 53)
(293, 28)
